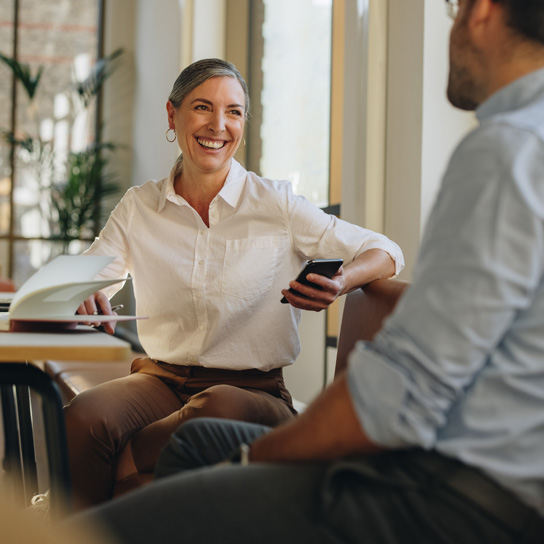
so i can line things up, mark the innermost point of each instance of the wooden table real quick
(17, 375)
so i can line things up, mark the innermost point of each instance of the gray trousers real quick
(387, 498)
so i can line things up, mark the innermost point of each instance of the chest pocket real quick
(250, 266)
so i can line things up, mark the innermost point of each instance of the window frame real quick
(11, 237)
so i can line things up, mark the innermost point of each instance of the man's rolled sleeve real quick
(387, 401)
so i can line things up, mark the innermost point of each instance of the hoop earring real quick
(174, 138)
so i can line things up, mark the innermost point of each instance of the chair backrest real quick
(364, 312)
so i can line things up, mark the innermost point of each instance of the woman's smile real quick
(211, 144)
(209, 124)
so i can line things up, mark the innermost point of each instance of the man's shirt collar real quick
(513, 96)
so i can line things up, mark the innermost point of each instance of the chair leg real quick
(12, 453)
(26, 376)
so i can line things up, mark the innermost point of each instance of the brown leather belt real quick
(489, 496)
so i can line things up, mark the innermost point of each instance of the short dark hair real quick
(525, 17)
(200, 71)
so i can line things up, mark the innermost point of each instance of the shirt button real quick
(201, 262)
(202, 327)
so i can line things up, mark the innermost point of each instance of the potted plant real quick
(72, 185)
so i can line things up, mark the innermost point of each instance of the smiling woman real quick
(209, 126)
(207, 110)
(211, 250)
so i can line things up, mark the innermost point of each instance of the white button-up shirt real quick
(213, 294)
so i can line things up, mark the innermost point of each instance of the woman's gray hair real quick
(200, 71)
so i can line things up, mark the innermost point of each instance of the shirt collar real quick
(230, 192)
(167, 190)
(513, 96)
(234, 184)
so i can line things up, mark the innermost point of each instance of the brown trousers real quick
(149, 405)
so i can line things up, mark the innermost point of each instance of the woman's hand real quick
(98, 303)
(316, 298)
(371, 265)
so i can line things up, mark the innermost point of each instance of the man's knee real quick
(204, 441)
(184, 449)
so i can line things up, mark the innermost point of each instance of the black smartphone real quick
(324, 267)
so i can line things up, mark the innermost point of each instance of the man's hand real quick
(328, 429)
(98, 303)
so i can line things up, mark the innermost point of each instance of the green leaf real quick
(88, 88)
(26, 143)
(22, 72)
(86, 183)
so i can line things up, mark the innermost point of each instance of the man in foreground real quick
(436, 431)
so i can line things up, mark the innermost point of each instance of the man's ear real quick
(487, 25)
(480, 18)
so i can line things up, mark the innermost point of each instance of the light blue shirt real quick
(459, 367)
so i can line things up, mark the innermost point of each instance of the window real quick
(289, 136)
(63, 38)
(290, 85)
